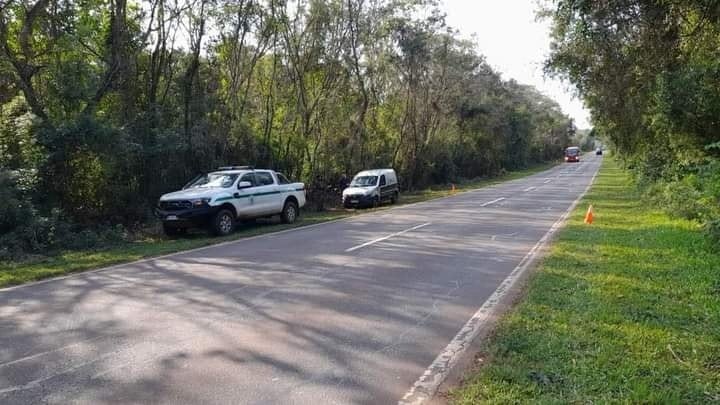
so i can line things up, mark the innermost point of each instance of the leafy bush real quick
(691, 192)
(713, 230)
(24, 231)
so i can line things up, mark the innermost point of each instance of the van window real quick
(364, 181)
(382, 180)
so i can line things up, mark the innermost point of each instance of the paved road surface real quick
(316, 315)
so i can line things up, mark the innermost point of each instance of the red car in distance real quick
(572, 154)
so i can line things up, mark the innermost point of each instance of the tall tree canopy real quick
(108, 103)
(650, 73)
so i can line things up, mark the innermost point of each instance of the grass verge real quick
(67, 262)
(625, 310)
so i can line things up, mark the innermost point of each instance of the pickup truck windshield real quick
(224, 180)
(364, 181)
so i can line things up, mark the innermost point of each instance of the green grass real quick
(61, 263)
(625, 310)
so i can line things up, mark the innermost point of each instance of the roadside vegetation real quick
(149, 242)
(106, 105)
(626, 310)
(649, 72)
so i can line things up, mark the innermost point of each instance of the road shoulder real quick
(455, 360)
(624, 310)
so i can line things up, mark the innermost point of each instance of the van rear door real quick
(387, 186)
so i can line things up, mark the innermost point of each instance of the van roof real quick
(375, 172)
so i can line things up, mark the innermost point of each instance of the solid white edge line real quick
(392, 235)
(492, 202)
(427, 385)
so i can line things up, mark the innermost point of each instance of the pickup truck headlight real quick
(200, 202)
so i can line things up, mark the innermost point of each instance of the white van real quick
(371, 188)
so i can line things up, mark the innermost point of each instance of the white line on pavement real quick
(530, 189)
(492, 202)
(427, 385)
(547, 181)
(392, 235)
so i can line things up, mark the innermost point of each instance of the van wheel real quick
(376, 202)
(173, 231)
(395, 198)
(289, 213)
(223, 223)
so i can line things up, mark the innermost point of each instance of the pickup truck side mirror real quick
(244, 184)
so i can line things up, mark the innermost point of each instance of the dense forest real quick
(108, 104)
(650, 73)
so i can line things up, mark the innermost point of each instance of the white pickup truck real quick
(221, 198)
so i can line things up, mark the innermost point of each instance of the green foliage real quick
(623, 311)
(649, 71)
(585, 140)
(24, 230)
(115, 103)
(16, 206)
(18, 147)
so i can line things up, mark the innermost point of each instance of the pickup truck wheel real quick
(289, 213)
(173, 231)
(223, 223)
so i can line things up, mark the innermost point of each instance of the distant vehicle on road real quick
(219, 199)
(371, 188)
(598, 151)
(572, 154)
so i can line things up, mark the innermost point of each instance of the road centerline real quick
(492, 202)
(386, 237)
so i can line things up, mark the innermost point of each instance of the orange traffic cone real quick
(589, 215)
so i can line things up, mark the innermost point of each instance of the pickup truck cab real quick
(218, 200)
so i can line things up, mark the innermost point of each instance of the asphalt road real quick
(351, 311)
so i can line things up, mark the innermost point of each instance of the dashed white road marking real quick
(530, 189)
(33, 356)
(547, 181)
(509, 235)
(392, 235)
(492, 202)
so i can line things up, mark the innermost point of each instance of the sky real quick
(515, 44)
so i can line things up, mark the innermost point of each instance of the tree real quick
(113, 102)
